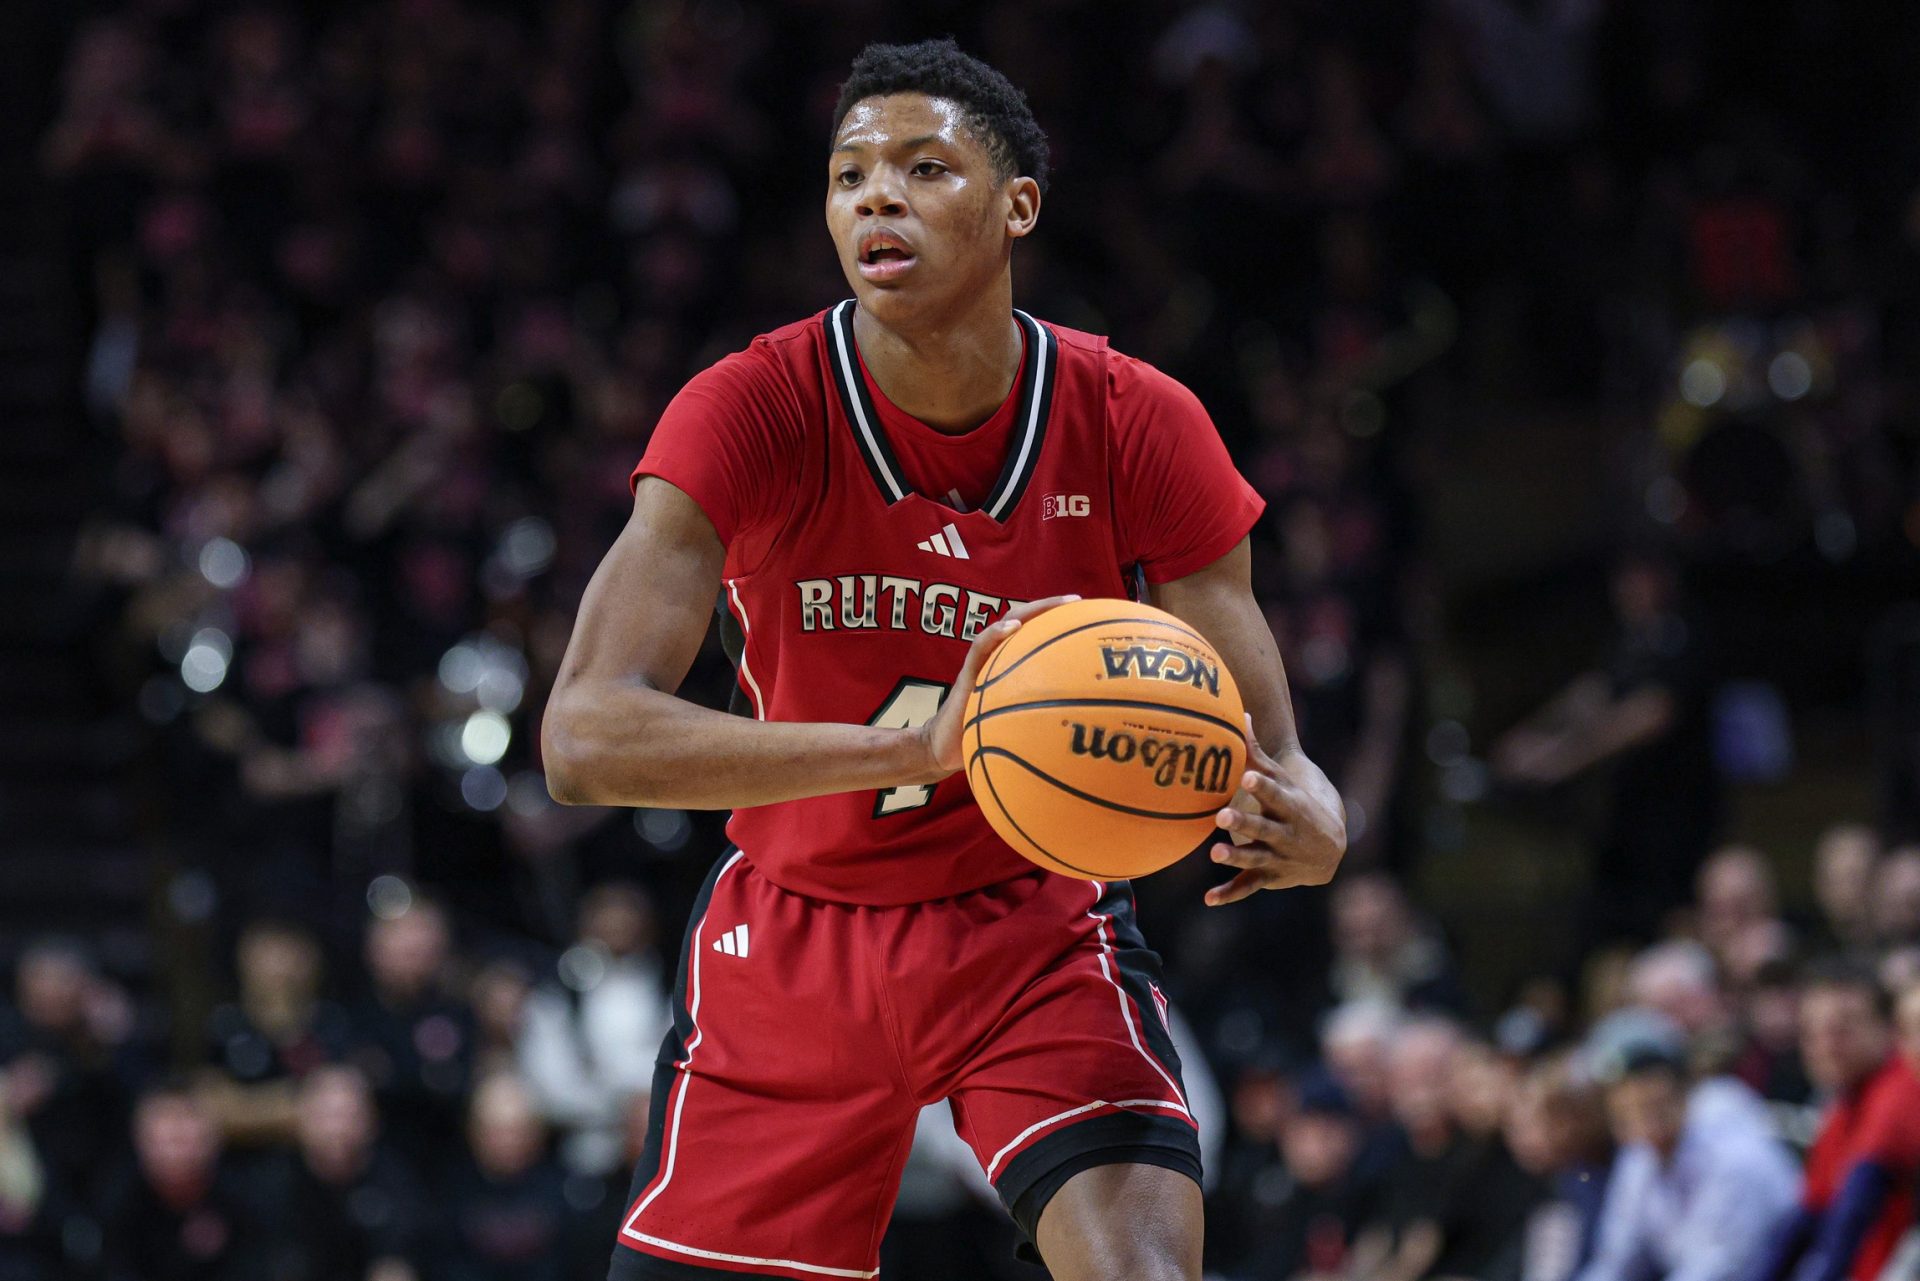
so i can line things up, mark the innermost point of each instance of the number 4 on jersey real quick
(911, 705)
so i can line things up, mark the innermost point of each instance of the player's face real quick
(918, 218)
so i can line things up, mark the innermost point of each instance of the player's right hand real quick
(941, 735)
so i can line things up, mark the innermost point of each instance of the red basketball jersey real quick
(856, 597)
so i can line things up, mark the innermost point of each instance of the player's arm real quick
(1290, 815)
(616, 733)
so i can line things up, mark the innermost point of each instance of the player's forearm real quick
(630, 745)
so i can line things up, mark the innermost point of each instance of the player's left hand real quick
(1286, 824)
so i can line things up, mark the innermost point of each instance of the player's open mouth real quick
(884, 257)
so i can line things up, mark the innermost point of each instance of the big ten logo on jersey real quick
(1160, 663)
(1055, 505)
(887, 602)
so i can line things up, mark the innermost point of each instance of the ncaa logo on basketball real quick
(1065, 505)
(1161, 663)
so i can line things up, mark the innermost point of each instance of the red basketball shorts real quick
(808, 1035)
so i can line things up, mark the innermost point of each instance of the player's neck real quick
(951, 376)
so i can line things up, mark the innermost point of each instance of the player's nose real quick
(882, 194)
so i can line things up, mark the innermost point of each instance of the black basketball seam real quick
(980, 756)
(1142, 704)
(1104, 622)
(1088, 797)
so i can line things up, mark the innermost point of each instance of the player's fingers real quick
(982, 649)
(1255, 827)
(1233, 891)
(1274, 795)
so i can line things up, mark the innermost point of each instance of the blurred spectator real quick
(66, 1057)
(1646, 714)
(1309, 1209)
(1689, 1199)
(1771, 1062)
(507, 1213)
(1896, 897)
(592, 1035)
(410, 1037)
(1428, 1211)
(183, 1213)
(32, 1210)
(1357, 1044)
(1383, 952)
(1844, 872)
(498, 997)
(347, 1208)
(279, 1031)
(1864, 1167)
(1740, 923)
(1557, 1131)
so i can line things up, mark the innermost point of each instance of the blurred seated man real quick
(1425, 1190)
(507, 1217)
(1739, 914)
(182, 1214)
(1844, 864)
(1308, 1216)
(1356, 1041)
(1862, 1169)
(1382, 951)
(1689, 1199)
(67, 1058)
(32, 1210)
(277, 1032)
(1895, 910)
(590, 1038)
(1557, 1131)
(349, 1210)
(411, 1037)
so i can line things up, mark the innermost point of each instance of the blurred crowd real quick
(385, 298)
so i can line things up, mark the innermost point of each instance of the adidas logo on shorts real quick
(733, 942)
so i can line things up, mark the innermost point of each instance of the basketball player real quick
(877, 496)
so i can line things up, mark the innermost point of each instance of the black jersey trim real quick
(868, 436)
(1033, 407)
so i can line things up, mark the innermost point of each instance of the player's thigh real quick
(1141, 1222)
(1079, 1070)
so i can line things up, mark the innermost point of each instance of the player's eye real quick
(847, 177)
(929, 169)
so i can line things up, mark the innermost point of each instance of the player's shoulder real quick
(1141, 395)
(768, 383)
(1128, 378)
(1076, 341)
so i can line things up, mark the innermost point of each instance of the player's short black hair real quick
(995, 110)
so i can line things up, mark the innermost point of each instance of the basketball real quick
(1102, 739)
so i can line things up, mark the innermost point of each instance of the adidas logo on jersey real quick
(733, 942)
(945, 543)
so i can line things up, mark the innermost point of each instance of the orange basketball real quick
(1102, 739)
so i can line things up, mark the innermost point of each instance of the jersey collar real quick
(1031, 410)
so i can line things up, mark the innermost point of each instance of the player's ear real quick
(1023, 205)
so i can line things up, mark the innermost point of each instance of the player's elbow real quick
(567, 759)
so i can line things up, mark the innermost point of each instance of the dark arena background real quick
(1573, 344)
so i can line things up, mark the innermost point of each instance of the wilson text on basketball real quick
(1187, 764)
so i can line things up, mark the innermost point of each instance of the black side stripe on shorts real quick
(673, 1047)
(1139, 974)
